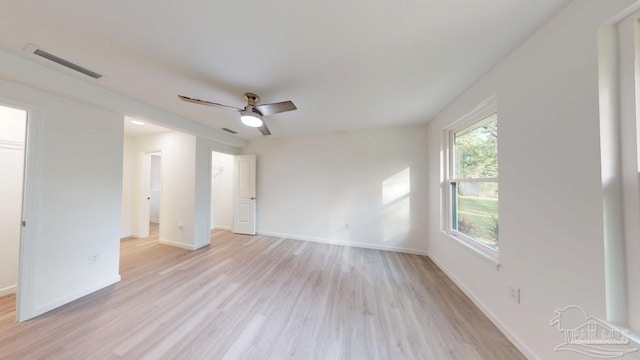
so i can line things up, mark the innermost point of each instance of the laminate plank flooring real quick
(259, 297)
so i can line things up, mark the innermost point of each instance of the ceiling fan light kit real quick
(250, 118)
(252, 114)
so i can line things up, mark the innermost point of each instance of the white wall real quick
(203, 182)
(76, 166)
(551, 230)
(222, 191)
(178, 171)
(373, 180)
(13, 124)
(186, 186)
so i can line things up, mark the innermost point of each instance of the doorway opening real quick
(155, 192)
(222, 178)
(13, 130)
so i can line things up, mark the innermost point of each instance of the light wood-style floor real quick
(258, 297)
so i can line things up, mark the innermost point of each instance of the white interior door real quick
(244, 209)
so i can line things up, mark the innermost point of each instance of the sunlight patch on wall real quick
(396, 186)
(396, 217)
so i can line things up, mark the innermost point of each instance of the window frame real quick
(468, 121)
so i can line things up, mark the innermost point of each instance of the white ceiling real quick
(346, 64)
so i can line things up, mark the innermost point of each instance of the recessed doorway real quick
(155, 192)
(222, 175)
(13, 126)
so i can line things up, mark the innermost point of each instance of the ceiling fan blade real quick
(208, 103)
(264, 129)
(269, 109)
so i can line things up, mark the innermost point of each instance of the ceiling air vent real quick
(67, 63)
(229, 131)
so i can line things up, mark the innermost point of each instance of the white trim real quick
(484, 252)
(30, 194)
(178, 244)
(485, 109)
(221, 227)
(67, 299)
(344, 243)
(477, 116)
(474, 180)
(515, 340)
(618, 49)
(12, 145)
(201, 245)
(8, 290)
(624, 14)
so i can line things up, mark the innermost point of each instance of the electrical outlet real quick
(346, 226)
(515, 294)
(94, 258)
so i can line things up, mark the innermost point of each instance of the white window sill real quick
(485, 253)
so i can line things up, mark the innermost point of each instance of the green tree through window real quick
(474, 182)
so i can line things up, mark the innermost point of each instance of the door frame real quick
(30, 190)
(237, 228)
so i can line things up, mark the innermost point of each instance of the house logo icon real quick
(588, 335)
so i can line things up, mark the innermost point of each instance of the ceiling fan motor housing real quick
(252, 99)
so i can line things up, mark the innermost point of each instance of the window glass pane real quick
(475, 211)
(476, 150)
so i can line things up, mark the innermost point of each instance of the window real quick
(473, 183)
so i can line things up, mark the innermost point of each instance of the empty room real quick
(320, 180)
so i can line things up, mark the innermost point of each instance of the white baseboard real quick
(177, 244)
(220, 227)
(67, 299)
(199, 246)
(517, 342)
(345, 243)
(8, 290)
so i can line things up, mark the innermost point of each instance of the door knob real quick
(252, 198)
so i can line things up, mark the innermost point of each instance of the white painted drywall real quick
(77, 183)
(373, 180)
(178, 162)
(77, 198)
(12, 134)
(222, 191)
(128, 186)
(551, 232)
(154, 194)
(204, 148)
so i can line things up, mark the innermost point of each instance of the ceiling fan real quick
(252, 114)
